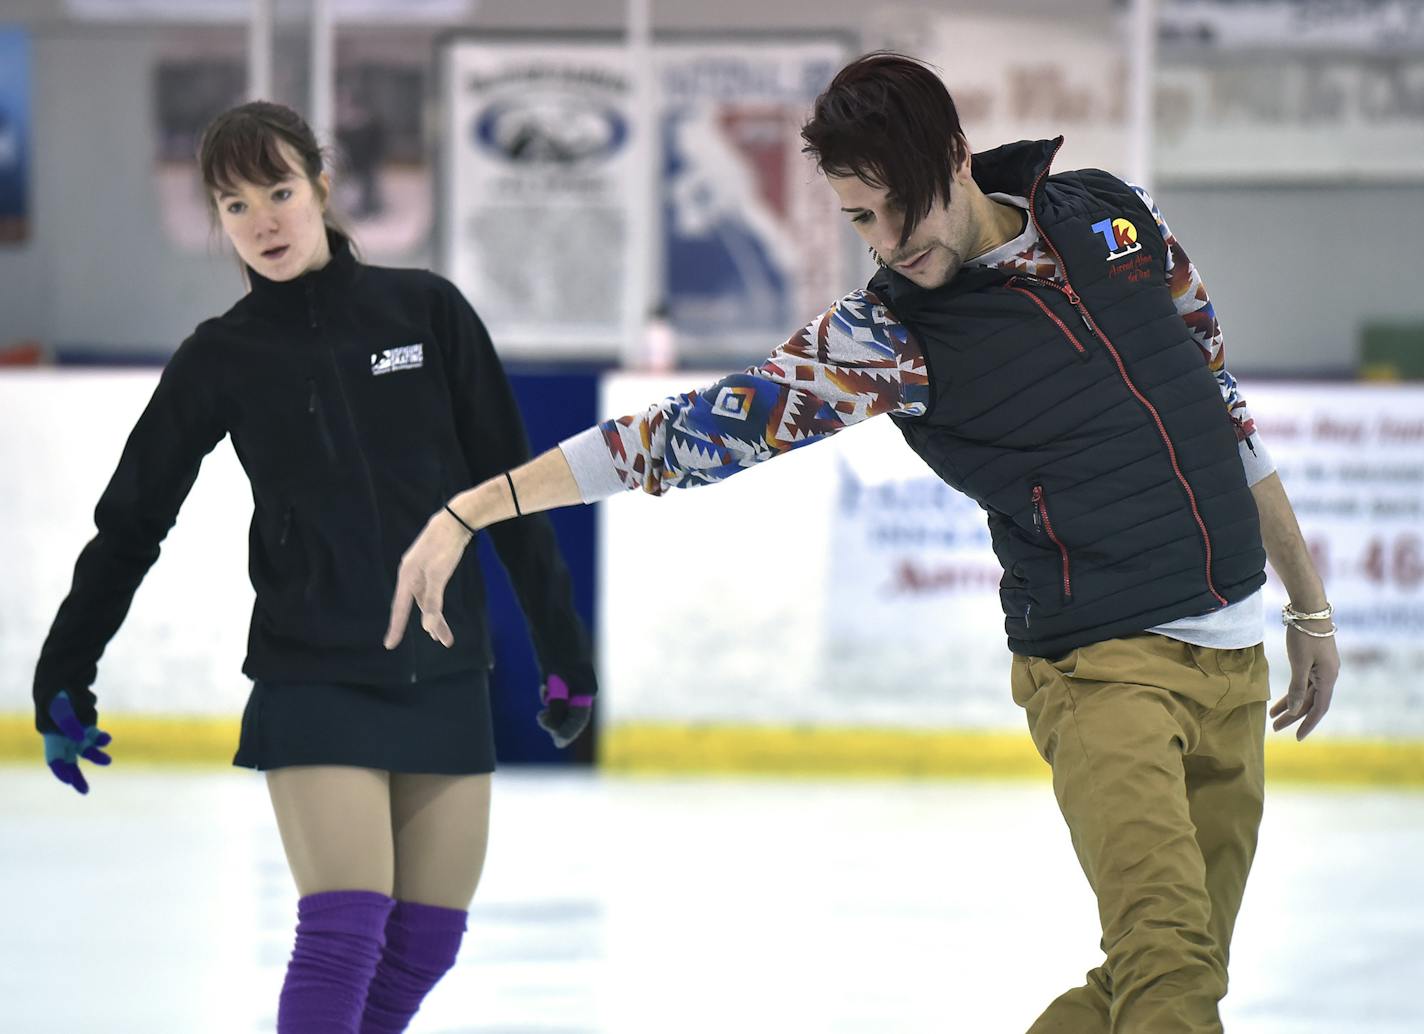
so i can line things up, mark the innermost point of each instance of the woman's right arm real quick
(180, 425)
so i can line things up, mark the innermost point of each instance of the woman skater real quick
(358, 398)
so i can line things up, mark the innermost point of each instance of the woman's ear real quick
(324, 189)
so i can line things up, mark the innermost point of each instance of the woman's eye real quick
(864, 217)
(282, 194)
(235, 208)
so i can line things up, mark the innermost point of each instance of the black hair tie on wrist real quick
(461, 520)
(513, 494)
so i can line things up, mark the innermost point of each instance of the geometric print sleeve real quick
(1194, 306)
(853, 362)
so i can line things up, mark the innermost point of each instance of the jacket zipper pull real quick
(312, 400)
(1037, 508)
(311, 306)
(286, 527)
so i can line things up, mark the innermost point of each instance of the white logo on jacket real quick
(406, 357)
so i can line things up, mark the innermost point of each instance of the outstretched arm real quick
(853, 362)
(544, 483)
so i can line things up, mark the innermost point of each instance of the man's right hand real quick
(63, 749)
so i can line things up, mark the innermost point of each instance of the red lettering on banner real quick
(1338, 430)
(913, 577)
(1401, 430)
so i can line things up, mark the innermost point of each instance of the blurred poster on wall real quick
(1290, 90)
(378, 157)
(383, 177)
(1015, 77)
(539, 180)
(14, 136)
(197, 76)
(1275, 116)
(536, 192)
(1370, 26)
(752, 239)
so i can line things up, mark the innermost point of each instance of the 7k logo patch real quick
(1120, 237)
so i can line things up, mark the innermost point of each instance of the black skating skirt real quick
(441, 725)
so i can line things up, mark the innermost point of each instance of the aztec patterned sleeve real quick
(853, 362)
(1195, 308)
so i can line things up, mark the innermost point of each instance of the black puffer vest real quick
(1083, 419)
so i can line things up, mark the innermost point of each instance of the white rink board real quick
(180, 650)
(844, 584)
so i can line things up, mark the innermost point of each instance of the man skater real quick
(1047, 348)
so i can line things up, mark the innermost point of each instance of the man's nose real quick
(889, 239)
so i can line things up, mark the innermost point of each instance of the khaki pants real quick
(1156, 748)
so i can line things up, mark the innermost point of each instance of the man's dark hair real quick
(887, 119)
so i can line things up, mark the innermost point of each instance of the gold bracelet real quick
(1289, 614)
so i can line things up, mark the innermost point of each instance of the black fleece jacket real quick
(358, 399)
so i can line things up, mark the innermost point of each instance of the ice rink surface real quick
(162, 904)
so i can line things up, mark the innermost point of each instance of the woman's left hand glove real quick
(565, 714)
(63, 749)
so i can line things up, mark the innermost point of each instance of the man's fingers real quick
(1323, 696)
(435, 625)
(97, 756)
(1298, 693)
(432, 607)
(400, 610)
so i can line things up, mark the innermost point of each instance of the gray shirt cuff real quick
(592, 465)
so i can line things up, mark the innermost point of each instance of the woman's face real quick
(277, 229)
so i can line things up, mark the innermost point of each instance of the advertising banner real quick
(15, 156)
(846, 585)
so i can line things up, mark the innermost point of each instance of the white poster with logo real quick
(537, 168)
(846, 585)
(753, 242)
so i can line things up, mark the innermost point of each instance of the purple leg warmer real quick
(339, 939)
(421, 944)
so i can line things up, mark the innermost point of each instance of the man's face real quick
(942, 240)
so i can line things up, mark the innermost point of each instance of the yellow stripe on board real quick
(831, 751)
(647, 748)
(145, 739)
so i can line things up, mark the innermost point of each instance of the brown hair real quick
(887, 119)
(243, 145)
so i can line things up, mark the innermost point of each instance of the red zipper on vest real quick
(1040, 517)
(1077, 303)
(1049, 313)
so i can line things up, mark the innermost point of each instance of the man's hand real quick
(1315, 665)
(425, 570)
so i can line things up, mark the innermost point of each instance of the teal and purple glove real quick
(63, 749)
(565, 715)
